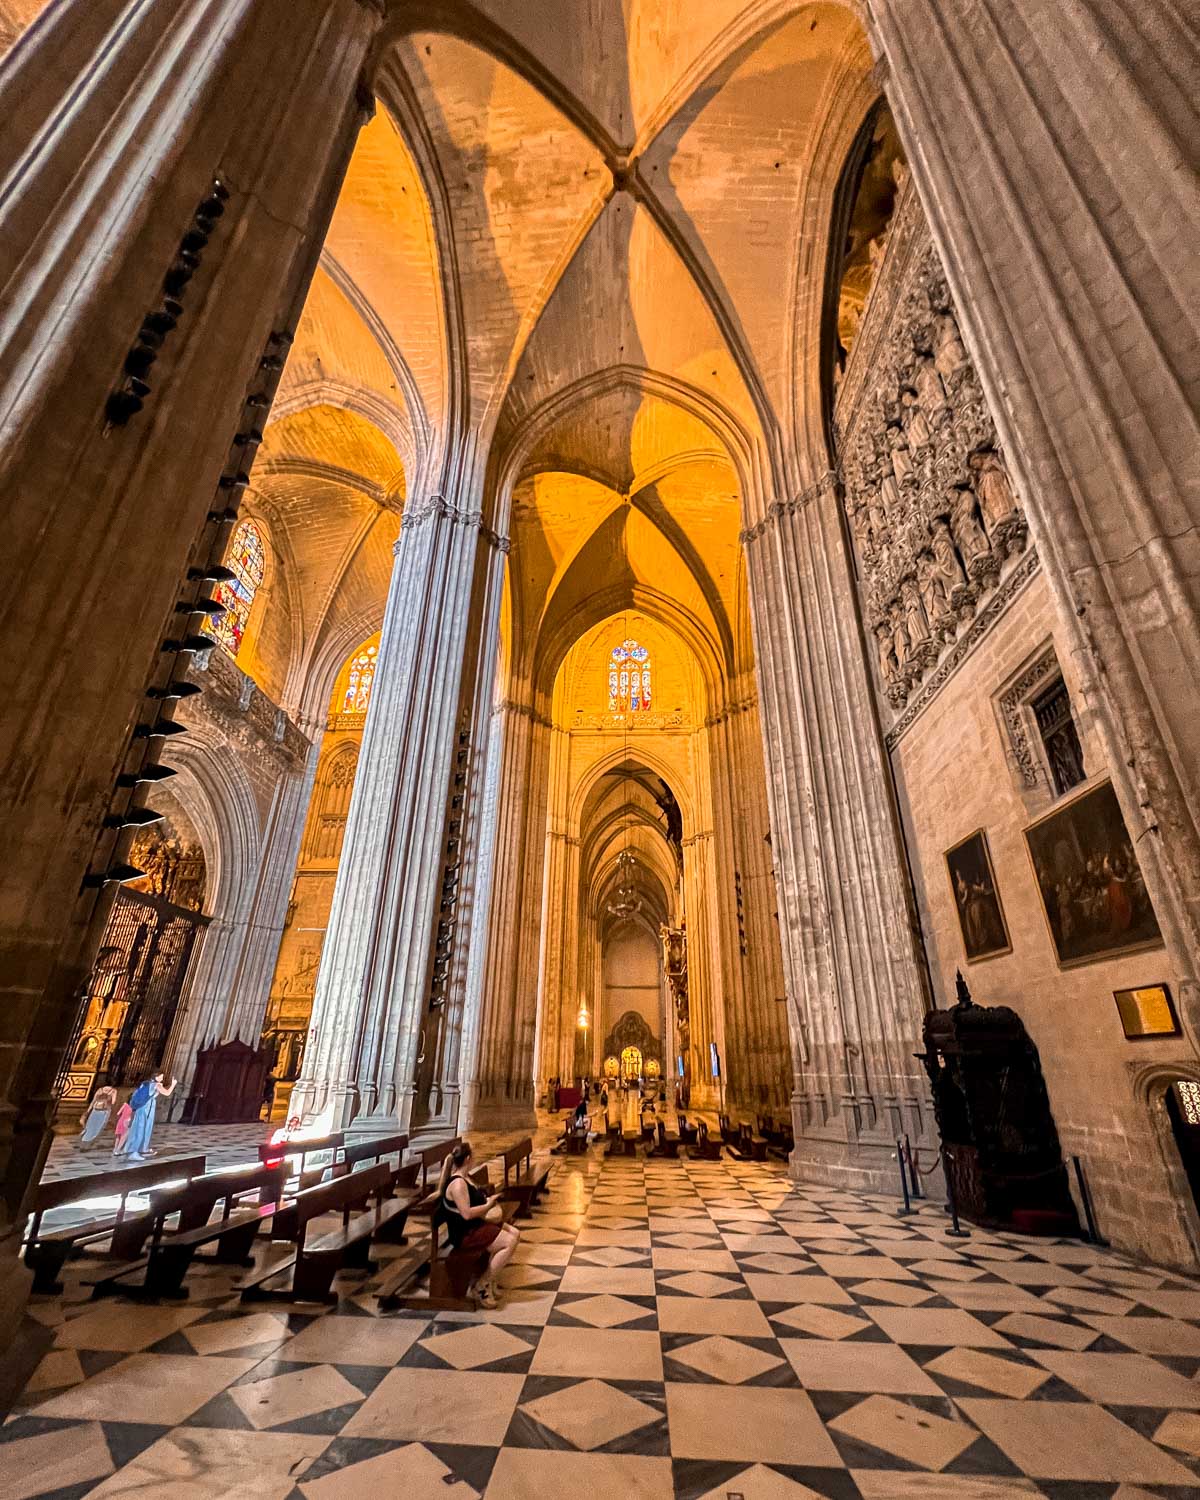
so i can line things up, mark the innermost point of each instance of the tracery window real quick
(246, 559)
(360, 682)
(629, 686)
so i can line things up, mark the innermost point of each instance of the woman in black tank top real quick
(465, 1207)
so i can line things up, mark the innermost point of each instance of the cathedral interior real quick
(631, 553)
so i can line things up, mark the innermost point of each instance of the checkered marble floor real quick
(670, 1329)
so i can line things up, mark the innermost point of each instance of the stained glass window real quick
(246, 559)
(362, 676)
(629, 684)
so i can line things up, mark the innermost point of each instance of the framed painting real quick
(976, 899)
(1091, 885)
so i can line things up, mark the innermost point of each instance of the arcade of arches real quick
(637, 546)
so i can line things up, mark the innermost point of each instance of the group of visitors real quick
(134, 1123)
(475, 1221)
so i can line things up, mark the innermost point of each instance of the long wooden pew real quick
(48, 1250)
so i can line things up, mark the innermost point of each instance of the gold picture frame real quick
(1094, 898)
(1147, 1012)
(976, 897)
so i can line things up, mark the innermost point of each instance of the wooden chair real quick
(706, 1148)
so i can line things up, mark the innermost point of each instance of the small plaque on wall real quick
(1147, 1012)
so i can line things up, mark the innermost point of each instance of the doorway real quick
(1183, 1111)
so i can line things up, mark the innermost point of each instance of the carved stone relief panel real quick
(927, 495)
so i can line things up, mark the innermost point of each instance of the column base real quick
(23, 1339)
(858, 1164)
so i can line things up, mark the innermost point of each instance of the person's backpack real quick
(142, 1095)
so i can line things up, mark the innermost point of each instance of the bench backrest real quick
(515, 1155)
(340, 1194)
(194, 1201)
(302, 1147)
(119, 1182)
(433, 1157)
(374, 1150)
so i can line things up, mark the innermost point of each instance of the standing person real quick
(144, 1101)
(121, 1128)
(96, 1116)
(474, 1222)
(269, 1083)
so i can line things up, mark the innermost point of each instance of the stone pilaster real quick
(372, 1031)
(499, 1088)
(116, 119)
(845, 925)
(704, 967)
(1051, 147)
(229, 988)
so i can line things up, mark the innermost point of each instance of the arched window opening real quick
(246, 559)
(629, 684)
(328, 827)
(360, 682)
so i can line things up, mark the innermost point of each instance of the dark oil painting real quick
(984, 932)
(1091, 884)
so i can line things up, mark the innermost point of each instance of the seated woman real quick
(473, 1223)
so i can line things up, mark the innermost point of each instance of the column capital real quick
(826, 484)
(438, 507)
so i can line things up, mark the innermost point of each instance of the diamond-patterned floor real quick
(671, 1329)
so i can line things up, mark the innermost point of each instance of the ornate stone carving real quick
(930, 506)
(993, 607)
(1012, 707)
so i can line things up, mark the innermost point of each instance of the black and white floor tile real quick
(670, 1329)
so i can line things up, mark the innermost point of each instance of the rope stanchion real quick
(908, 1208)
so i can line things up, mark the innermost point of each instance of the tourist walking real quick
(95, 1118)
(144, 1102)
(121, 1128)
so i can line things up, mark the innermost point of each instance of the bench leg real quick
(357, 1257)
(392, 1233)
(312, 1280)
(46, 1263)
(235, 1246)
(168, 1266)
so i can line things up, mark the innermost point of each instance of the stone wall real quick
(961, 629)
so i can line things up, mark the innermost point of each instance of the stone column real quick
(845, 925)
(371, 1025)
(558, 994)
(499, 1092)
(1054, 149)
(116, 119)
(227, 992)
(704, 969)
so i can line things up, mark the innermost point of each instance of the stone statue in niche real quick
(997, 503)
(969, 535)
(889, 669)
(915, 619)
(931, 509)
(949, 566)
(949, 352)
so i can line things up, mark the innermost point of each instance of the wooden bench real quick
(355, 1153)
(524, 1179)
(46, 1252)
(748, 1146)
(171, 1252)
(688, 1134)
(450, 1272)
(430, 1160)
(270, 1155)
(315, 1263)
(668, 1145)
(706, 1148)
